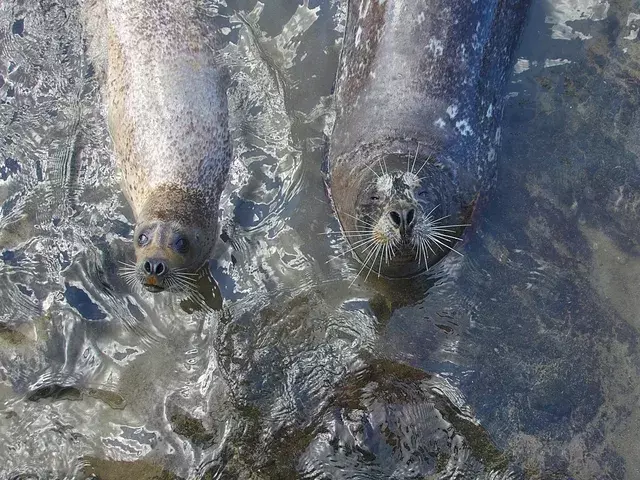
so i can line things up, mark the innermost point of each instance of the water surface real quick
(518, 360)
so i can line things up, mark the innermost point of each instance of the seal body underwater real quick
(419, 95)
(168, 118)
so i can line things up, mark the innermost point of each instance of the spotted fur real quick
(420, 82)
(168, 117)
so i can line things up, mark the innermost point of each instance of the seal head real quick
(405, 217)
(171, 240)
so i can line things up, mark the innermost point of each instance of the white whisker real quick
(374, 172)
(428, 246)
(426, 258)
(444, 245)
(364, 264)
(434, 227)
(373, 261)
(423, 165)
(415, 157)
(383, 166)
(183, 284)
(355, 245)
(358, 219)
(380, 263)
(444, 236)
(432, 210)
(184, 273)
(441, 229)
(351, 233)
(439, 219)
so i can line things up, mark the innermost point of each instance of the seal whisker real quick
(423, 165)
(185, 289)
(420, 252)
(185, 273)
(438, 219)
(132, 282)
(387, 256)
(127, 266)
(426, 257)
(182, 285)
(181, 278)
(178, 287)
(373, 261)
(388, 252)
(351, 232)
(185, 278)
(362, 241)
(415, 157)
(374, 172)
(129, 276)
(364, 264)
(445, 228)
(443, 235)
(380, 264)
(358, 244)
(358, 219)
(428, 246)
(441, 230)
(428, 215)
(383, 166)
(444, 245)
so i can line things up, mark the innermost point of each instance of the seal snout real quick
(403, 219)
(155, 270)
(154, 266)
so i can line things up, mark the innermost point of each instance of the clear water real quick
(518, 360)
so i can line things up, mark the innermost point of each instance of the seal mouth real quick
(388, 251)
(149, 287)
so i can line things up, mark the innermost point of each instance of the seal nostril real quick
(147, 267)
(410, 216)
(395, 218)
(160, 268)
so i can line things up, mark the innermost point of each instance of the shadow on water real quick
(518, 360)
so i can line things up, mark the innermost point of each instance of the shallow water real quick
(518, 360)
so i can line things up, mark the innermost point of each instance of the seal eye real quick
(182, 245)
(375, 198)
(142, 239)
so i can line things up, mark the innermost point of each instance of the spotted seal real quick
(168, 117)
(418, 95)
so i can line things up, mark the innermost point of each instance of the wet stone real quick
(192, 429)
(103, 469)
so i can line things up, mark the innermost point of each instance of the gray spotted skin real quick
(422, 79)
(167, 101)
(168, 117)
